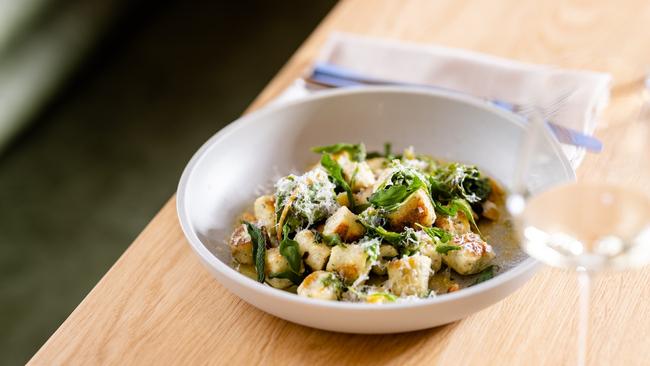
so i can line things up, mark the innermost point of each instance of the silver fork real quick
(331, 76)
(548, 112)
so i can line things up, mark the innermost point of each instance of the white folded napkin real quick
(473, 73)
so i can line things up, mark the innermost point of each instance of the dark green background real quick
(99, 161)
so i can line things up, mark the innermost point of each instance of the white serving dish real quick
(226, 173)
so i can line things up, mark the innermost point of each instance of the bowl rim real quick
(232, 274)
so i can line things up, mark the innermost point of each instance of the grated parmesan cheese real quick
(314, 194)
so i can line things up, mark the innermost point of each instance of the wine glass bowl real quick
(594, 227)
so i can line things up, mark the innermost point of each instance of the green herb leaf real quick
(439, 191)
(406, 242)
(442, 237)
(335, 171)
(436, 234)
(398, 188)
(446, 248)
(390, 236)
(454, 206)
(290, 250)
(357, 151)
(388, 154)
(331, 240)
(360, 208)
(463, 206)
(332, 280)
(389, 198)
(447, 210)
(353, 178)
(486, 274)
(289, 275)
(259, 248)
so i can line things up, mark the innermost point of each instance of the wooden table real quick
(158, 305)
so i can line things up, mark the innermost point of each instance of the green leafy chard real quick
(357, 151)
(457, 180)
(259, 248)
(335, 171)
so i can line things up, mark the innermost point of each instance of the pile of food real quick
(371, 227)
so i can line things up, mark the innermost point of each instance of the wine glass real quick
(599, 222)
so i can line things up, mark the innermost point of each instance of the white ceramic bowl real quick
(225, 176)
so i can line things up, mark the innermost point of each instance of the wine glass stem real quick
(584, 285)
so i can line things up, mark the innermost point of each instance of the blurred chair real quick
(40, 43)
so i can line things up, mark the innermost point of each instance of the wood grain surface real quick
(158, 305)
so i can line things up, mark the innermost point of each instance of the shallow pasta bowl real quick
(231, 169)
